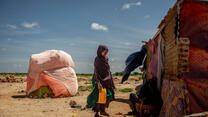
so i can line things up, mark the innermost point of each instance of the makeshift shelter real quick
(51, 73)
(178, 57)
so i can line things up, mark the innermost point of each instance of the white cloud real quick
(11, 26)
(96, 26)
(30, 25)
(129, 5)
(9, 39)
(126, 6)
(146, 16)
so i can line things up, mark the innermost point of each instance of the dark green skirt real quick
(92, 99)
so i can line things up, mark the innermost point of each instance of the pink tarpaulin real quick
(154, 47)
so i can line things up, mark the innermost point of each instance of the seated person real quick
(149, 97)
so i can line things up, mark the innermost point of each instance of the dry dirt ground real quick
(13, 102)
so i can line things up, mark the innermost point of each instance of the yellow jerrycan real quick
(102, 96)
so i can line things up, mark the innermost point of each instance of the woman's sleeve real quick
(97, 76)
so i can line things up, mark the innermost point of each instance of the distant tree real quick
(136, 73)
(118, 74)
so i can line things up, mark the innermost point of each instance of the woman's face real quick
(104, 53)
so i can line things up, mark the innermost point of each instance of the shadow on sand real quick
(122, 100)
(19, 96)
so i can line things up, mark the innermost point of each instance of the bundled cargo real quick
(51, 73)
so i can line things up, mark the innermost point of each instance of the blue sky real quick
(76, 27)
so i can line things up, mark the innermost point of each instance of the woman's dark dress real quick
(103, 75)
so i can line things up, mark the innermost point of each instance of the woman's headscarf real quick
(102, 68)
(102, 48)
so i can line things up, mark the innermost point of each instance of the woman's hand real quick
(99, 86)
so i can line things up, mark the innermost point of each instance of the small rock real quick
(72, 103)
(84, 108)
(136, 80)
(22, 91)
(116, 78)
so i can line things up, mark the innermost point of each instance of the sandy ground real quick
(13, 102)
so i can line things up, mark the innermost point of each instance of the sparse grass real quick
(90, 88)
(88, 82)
(125, 90)
(85, 88)
(15, 74)
(82, 88)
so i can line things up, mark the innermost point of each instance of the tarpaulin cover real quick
(53, 68)
(194, 25)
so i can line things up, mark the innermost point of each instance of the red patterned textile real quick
(194, 25)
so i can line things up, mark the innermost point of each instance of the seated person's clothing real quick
(149, 95)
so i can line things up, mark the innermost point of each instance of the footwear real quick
(104, 113)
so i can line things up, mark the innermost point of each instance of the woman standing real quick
(102, 78)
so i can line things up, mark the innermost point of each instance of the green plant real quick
(118, 74)
(125, 90)
(136, 73)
